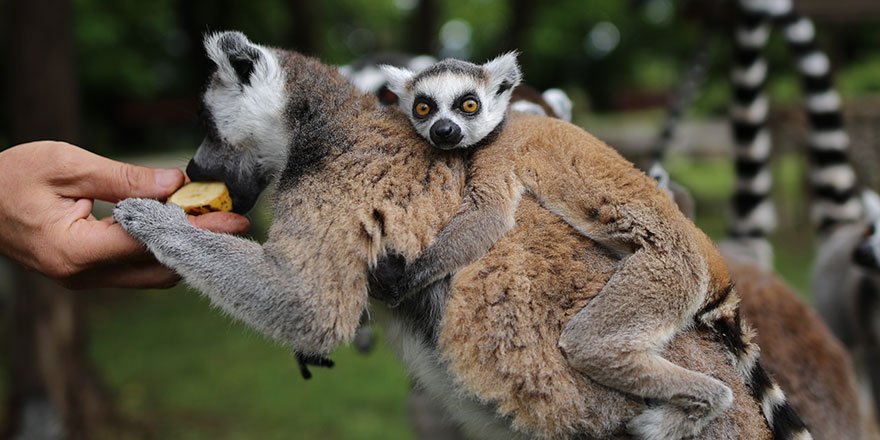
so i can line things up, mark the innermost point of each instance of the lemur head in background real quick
(867, 253)
(366, 75)
(453, 103)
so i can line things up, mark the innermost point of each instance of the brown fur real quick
(397, 194)
(670, 272)
(511, 302)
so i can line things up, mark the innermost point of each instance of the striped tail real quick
(722, 317)
(832, 178)
(754, 214)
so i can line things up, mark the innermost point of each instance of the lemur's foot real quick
(388, 280)
(303, 361)
(681, 417)
(364, 339)
(147, 219)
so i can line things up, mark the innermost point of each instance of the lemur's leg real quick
(486, 214)
(615, 340)
(238, 277)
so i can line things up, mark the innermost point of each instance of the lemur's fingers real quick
(386, 280)
(303, 361)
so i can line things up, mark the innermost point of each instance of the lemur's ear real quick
(421, 63)
(504, 73)
(398, 78)
(559, 101)
(238, 60)
(871, 201)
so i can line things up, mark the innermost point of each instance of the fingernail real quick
(167, 178)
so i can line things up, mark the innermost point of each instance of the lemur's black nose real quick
(445, 134)
(196, 173)
(865, 256)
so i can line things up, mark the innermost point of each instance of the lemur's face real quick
(867, 252)
(244, 105)
(455, 104)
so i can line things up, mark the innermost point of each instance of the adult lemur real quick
(355, 183)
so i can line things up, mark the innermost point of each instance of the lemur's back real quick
(579, 177)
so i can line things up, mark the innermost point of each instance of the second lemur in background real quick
(671, 276)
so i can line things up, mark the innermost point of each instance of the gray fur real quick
(239, 276)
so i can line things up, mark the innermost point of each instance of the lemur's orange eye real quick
(470, 105)
(423, 108)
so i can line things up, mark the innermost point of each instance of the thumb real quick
(97, 177)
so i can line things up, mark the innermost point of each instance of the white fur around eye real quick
(446, 89)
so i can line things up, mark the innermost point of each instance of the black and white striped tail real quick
(754, 214)
(832, 178)
(723, 318)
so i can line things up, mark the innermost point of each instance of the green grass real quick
(184, 371)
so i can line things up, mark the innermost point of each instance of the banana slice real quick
(198, 198)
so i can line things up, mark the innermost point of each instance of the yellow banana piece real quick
(198, 198)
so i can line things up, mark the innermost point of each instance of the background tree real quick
(54, 391)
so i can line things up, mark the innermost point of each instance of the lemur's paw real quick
(303, 361)
(145, 219)
(666, 422)
(364, 340)
(387, 281)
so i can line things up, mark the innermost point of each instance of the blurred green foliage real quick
(133, 53)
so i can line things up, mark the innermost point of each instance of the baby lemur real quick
(671, 274)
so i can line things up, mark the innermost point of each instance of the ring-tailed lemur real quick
(459, 105)
(355, 181)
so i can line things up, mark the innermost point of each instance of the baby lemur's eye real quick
(422, 109)
(470, 105)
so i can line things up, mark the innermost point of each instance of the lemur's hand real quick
(388, 281)
(303, 361)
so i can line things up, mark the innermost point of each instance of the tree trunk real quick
(522, 13)
(423, 28)
(53, 391)
(302, 30)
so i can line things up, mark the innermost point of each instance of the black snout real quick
(244, 194)
(445, 134)
(865, 256)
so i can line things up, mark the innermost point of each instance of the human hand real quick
(46, 220)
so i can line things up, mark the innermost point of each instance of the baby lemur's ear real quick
(238, 60)
(504, 73)
(398, 78)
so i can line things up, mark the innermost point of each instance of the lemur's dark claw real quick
(303, 361)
